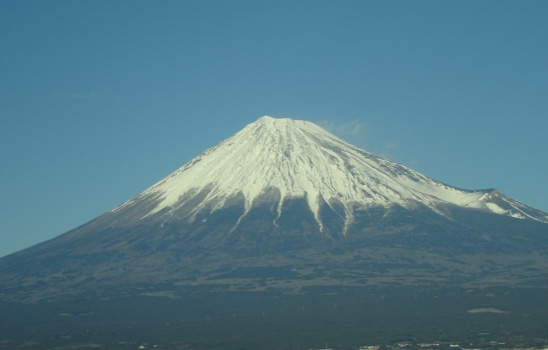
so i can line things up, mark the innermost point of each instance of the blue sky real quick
(101, 99)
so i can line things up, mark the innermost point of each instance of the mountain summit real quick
(288, 196)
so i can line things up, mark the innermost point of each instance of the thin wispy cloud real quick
(413, 164)
(388, 149)
(352, 129)
(355, 133)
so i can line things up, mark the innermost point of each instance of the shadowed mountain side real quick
(382, 246)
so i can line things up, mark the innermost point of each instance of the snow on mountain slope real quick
(300, 159)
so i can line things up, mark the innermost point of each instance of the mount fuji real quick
(285, 208)
(278, 191)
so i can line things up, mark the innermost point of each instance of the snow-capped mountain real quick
(297, 159)
(305, 208)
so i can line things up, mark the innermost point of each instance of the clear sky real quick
(101, 99)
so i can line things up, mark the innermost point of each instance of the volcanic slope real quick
(285, 204)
